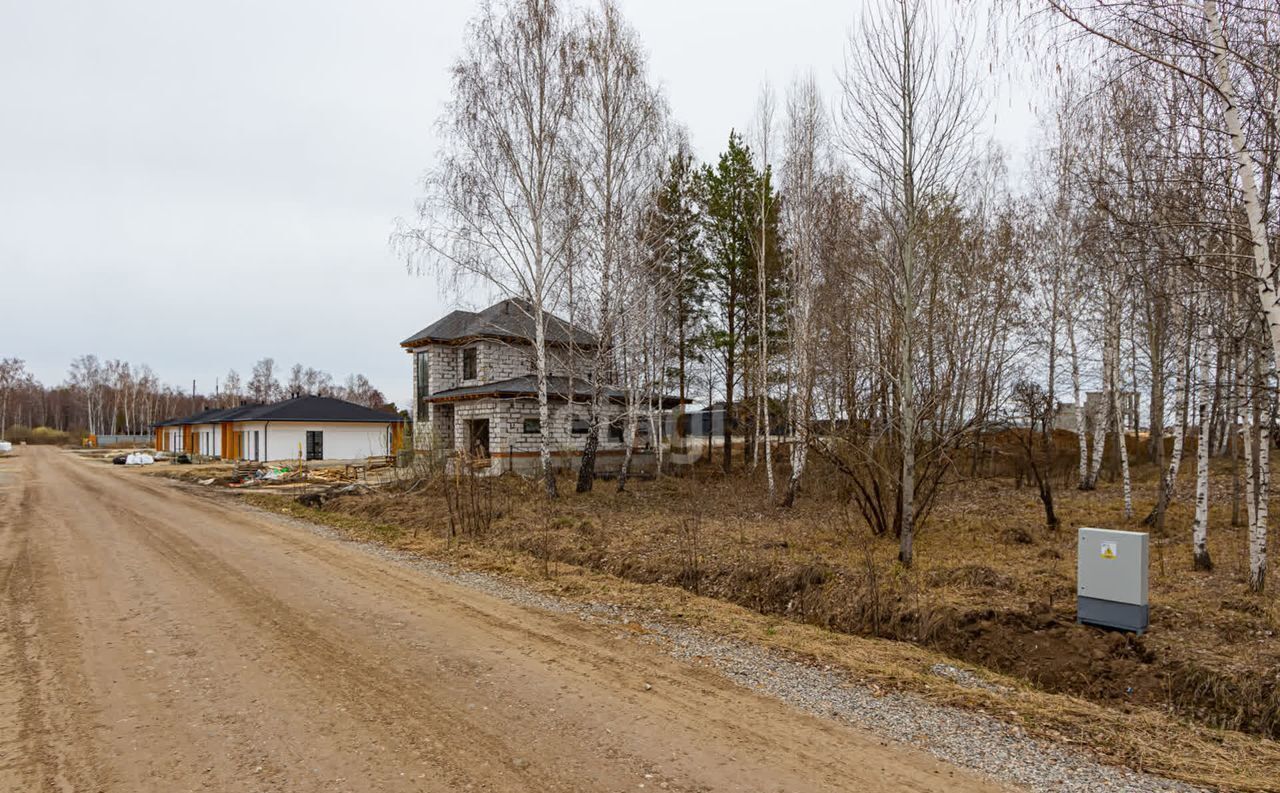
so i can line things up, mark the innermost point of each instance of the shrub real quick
(47, 435)
(42, 435)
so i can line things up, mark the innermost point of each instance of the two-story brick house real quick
(476, 390)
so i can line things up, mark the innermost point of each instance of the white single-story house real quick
(300, 428)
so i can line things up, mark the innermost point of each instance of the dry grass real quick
(992, 587)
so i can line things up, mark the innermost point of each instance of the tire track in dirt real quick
(227, 650)
(307, 648)
(302, 640)
(553, 642)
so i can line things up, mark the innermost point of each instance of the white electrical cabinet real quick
(1111, 579)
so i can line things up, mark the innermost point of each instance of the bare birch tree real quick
(765, 107)
(502, 202)
(803, 170)
(907, 119)
(618, 134)
(1220, 46)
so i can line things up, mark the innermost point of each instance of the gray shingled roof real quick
(208, 416)
(303, 408)
(525, 385)
(316, 408)
(509, 319)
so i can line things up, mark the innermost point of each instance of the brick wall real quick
(495, 361)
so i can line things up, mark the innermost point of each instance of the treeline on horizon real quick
(114, 397)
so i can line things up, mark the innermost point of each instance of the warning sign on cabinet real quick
(1108, 549)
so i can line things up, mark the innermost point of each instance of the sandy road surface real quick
(155, 640)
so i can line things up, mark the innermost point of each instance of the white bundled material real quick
(139, 459)
(5, 447)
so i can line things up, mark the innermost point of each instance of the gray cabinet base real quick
(1110, 614)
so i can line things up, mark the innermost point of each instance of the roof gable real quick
(508, 319)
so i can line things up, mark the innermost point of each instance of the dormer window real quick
(469, 363)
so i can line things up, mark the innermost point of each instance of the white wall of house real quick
(174, 442)
(340, 440)
(206, 439)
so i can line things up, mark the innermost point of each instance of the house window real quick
(532, 426)
(615, 429)
(580, 426)
(315, 445)
(423, 382)
(469, 363)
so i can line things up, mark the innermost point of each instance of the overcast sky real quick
(198, 185)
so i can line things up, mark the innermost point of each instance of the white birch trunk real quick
(805, 139)
(1264, 269)
(762, 287)
(625, 470)
(1100, 421)
(1258, 528)
(544, 408)
(1078, 396)
(1181, 386)
(1121, 449)
(1250, 482)
(908, 412)
(1200, 527)
(1259, 516)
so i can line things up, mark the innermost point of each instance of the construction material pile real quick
(332, 475)
(273, 474)
(131, 458)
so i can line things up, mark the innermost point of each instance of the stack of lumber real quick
(244, 470)
(331, 475)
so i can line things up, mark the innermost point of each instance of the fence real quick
(104, 441)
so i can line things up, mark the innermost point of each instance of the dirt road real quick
(155, 640)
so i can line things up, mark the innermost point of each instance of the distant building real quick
(1095, 404)
(304, 427)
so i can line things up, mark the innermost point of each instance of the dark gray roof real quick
(208, 415)
(303, 408)
(510, 319)
(527, 386)
(316, 408)
(225, 414)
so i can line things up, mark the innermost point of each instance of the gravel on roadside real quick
(962, 737)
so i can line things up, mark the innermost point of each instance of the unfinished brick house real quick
(476, 391)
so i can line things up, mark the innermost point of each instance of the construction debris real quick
(316, 498)
(332, 475)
